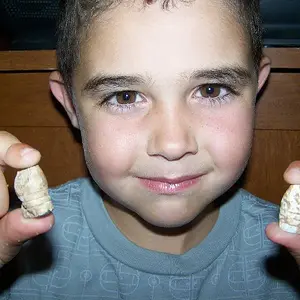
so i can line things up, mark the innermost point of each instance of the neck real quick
(168, 240)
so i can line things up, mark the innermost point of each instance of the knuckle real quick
(2, 133)
(5, 135)
(6, 140)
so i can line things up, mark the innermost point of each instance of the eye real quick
(211, 91)
(123, 98)
(126, 97)
(124, 101)
(214, 94)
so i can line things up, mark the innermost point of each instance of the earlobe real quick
(59, 91)
(264, 72)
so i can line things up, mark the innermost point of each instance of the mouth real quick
(169, 186)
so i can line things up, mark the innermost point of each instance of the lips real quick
(162, 185)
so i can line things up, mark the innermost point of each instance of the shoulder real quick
(257, 208)
(65, 188)
(69, 193)
(71, 226)
(67, 202)
(255, 214)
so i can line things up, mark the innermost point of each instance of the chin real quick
(169, 220)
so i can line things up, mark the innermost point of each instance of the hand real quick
(274, 233)
(14, 229)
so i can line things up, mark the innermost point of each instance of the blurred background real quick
(31, 24)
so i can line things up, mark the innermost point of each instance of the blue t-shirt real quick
(85, 256)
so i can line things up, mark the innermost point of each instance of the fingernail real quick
(295, 173)
(25, 151)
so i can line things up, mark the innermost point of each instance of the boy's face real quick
(178, 133)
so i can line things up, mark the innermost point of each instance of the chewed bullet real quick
(31, 187)
(289, 215)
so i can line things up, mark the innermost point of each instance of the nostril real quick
(173, 151)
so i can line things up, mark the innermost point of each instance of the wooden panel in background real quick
(28, 101)
(46, 59)
(285, 58)
(27, 60)
(272, 152)
(62, 157)
(279, 106)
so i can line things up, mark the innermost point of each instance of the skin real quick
(170, 134)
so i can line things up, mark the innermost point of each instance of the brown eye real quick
(210, 91)
(126, 97)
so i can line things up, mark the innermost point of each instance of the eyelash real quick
(119, 108)
(124, 108)
(219, 100)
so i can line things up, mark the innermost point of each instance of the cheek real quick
(231, 141)
(109, 145)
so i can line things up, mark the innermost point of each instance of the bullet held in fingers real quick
(289, 215)
(31, 187)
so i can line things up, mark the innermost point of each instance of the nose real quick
(172, 136)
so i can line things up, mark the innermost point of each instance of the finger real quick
(14, 153)
(292, 173)
(289, 240)
(6, 140)
(15, 229)
(17, 155)
(21, 156)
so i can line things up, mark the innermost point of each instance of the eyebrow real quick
(232, 75)
(101, 82)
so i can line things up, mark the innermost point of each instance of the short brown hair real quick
(77, 16)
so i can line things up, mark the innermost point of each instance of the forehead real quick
(133, 38)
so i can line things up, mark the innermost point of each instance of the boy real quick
(164, 97)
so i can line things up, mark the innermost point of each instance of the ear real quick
(264, 72)
(59, 91)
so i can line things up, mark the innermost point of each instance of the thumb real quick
(289, 240)
(279, 236)
(15, 230)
